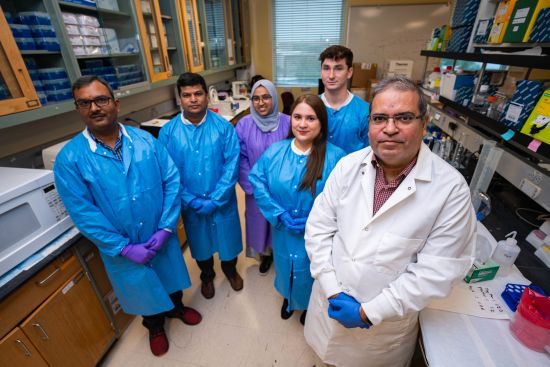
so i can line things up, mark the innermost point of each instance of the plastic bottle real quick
(434, 78)
(458, 153)
(506, 253)
(496, 106)
(479, 102)
(447, 149)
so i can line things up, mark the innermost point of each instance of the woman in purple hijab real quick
(264, 126)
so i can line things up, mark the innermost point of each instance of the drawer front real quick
(21, 302)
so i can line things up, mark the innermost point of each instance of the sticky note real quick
(534, 145)
(508, 135)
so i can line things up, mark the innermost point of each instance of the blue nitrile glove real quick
(346, 313)
(196, 203)
(345, 297)
(207, 208)
(138, 253)
(289, 223)
(158, 239)
(299, 225)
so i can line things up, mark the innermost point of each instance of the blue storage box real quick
(59, 95)
(464, 95)
(47, 43)
(92, 63)
(465, 12)
(52, 73)
(86, 71)
(43, 97)
(111, 78)
(33, 73)
(483, 30)
(126, 68)
(541, 30)
(37, 85)
(30, 63)
(460, 38)
(10, 19)
(104, 70)
(56, 84)
(35, 18)
(42, 31)
(20, 30)
(83, 2)
(25, 43)
(4, 93)
(523, 101)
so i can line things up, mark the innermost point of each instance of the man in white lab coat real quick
(393, 229)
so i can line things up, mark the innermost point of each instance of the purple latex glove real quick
(207, 208)
(158, 239)
(138, 253)
(346, 312)
(196, 203)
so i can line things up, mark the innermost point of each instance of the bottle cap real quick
(437, 69)
(491, 99)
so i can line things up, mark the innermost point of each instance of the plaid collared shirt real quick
(117, 151)
(382, 189)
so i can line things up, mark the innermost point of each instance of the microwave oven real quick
(31, 214)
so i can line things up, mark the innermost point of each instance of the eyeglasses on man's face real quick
(87, 103)
(264, 98)
(399, 120)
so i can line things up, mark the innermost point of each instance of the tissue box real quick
(522, 103)
(538, 122)
(481, 272)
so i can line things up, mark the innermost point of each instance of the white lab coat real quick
(417, 245)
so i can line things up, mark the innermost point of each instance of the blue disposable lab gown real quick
(207, 157)
(114, 203)
(348, 127)
(275, 178)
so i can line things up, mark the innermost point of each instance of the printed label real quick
(67, 287)
(482, 29)
(514, 111)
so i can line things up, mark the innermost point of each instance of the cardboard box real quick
(362, 73)
(480, 272)
(538, 122)
(399, 67)
(497, 32)
(520, 20)
(451, 83)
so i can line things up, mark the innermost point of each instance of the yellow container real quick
(542, 4)
(538, 122)
(497, 32)
(504, 11)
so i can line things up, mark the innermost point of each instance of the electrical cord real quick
(541, 216)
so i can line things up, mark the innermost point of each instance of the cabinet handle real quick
(44, 334)
(25, 349)
(47, 279)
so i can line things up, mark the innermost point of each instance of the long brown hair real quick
(316, 159)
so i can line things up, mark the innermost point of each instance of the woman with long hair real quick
(285, 180)
(257, 131)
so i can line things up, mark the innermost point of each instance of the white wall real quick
(379, 33)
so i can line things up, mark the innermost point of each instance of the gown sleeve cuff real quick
(378, 309)
(329, 283)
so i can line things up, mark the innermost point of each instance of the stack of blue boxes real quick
(83, 2)
(117, 76)
(464, 16)
(518, 109)
(541, 29)
(34, 32)
(51, 84)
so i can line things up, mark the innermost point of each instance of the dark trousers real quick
(229, 268)
(156, 322)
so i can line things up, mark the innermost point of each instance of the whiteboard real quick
(379, 33)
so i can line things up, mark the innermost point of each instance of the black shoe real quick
(303, 318)
(285, 315)
(265, 264)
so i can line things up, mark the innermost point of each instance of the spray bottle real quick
(506, 253)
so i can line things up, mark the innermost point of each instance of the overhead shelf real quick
(494, 128)
(536, 62)
(92, 9)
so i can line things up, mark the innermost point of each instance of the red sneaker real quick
(158, 342)
(189, 316)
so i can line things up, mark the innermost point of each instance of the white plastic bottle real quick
(506, 253)
(435, 78)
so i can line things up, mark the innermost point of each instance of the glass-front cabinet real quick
(153, 33)
(16, 90)
(191, 30)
